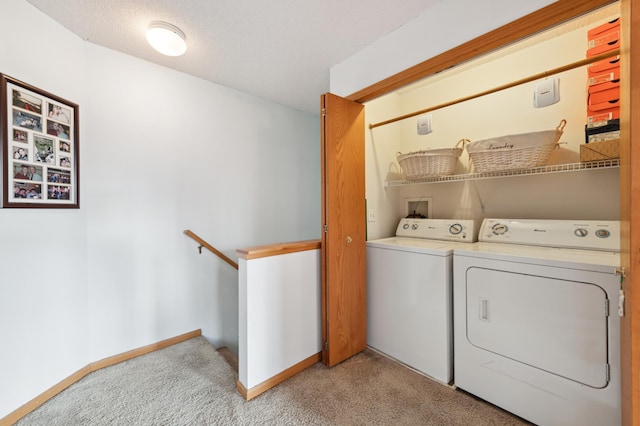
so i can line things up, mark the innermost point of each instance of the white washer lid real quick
(416, 245)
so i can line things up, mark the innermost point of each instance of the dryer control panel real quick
(579, 234)
(462, 230)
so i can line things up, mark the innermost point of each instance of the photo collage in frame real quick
(40, 148)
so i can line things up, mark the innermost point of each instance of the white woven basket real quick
(431, 162)
(512, 152)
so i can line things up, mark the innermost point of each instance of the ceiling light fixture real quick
(166, 38)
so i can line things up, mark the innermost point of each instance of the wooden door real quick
(344, 301)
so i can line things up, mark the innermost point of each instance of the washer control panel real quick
(580, 234)
(463, 230)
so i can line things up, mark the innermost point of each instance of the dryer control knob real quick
(581, 232)
(455, 229)
(499, 229)
(602, 233)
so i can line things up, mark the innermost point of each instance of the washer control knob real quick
(455, 229)
(499, 229)
(603, 233)
(414, 226)
(581, 232)
(405, 226)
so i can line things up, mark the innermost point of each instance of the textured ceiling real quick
(280, 50)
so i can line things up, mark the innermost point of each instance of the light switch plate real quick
(546, 93)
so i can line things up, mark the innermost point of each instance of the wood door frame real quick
(323, 218)
(630, 210)
(542, 19)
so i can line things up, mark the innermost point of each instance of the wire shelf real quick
(558, 168)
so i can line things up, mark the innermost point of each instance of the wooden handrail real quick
(278, 249)
(211, 248)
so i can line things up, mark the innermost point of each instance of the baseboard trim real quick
(249, 394)
(107, 362)
(25, 409)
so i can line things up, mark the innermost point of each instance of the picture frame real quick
(40, 147)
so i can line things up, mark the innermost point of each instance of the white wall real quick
(236, 170)
(439, 28)
(160, 152)
(43, 253)
(279, 315)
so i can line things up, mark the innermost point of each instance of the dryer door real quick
(556, 325)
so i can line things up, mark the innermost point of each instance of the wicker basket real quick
(431, 162)
(512, 152)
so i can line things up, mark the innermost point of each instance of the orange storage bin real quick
(595, 32)
(604, 96)
(603, 83)
(597, 80)
(602, 107)
(610, 87)
(604, 43)
(604, 65)
(599, 118)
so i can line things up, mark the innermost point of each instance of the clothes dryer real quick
(409, 286)
(536, 322)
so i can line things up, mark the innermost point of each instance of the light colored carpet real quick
(192, 384)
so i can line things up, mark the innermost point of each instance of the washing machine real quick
(536, 320)
(409, 290)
